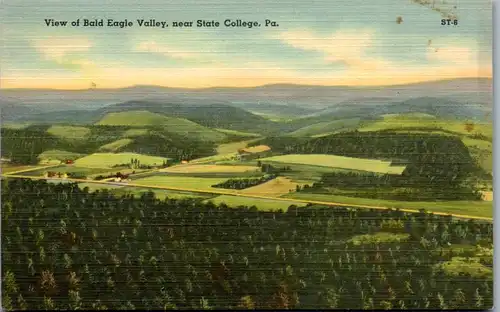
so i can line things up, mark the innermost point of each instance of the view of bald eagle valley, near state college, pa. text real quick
(246, 155)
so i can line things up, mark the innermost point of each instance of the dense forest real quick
(242, 183)
(23, 146)
(66, 248)
(432, 161)
(388, 186)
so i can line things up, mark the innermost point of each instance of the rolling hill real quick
(88, 106)
(179, 126)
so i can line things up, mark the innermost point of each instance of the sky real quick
(318, 42)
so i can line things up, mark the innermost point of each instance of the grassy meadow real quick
(342, 162)
(102, 160)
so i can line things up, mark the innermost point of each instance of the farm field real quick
(257, 149)
(69, 132)
(160, 194)
(193, 183)
(8, 168)
(327, 127)
(261, 204)
(58, 155)
(274, 188)
(472, 208)
(239, 133)
(176, 125)
(100, 160)
(137, 191)
(67, 169)
(135, 132)
(209, 169)
(332, 161)
(232, 147)
(115, 146)
(215, 158)
(416, 121)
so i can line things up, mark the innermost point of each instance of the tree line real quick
(440, 163)
(23, 146)
(243, 183)
(68, 248)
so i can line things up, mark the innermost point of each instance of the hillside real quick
(179, 126)
(327, 127)
(283, 101)
(24, 146)
(210, 115)
(472, 90)
(236, 257)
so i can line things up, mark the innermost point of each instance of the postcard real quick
(233, 155)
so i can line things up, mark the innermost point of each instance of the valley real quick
(171, 145)
(387, 201)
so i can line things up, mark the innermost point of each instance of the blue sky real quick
(348, 42)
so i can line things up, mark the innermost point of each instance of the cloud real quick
(65, 51)
(457, 55)
(345, 58)
(166, 50)
(346, 47)
(57, 48)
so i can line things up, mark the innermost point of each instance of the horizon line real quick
(257, 86)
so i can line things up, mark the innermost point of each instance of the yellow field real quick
(215, 158)
(342, 162)
(191, 183)
(6, 168)
(257, 149)
(487, 196)
(103, 160)
(275, 187)
(233, 147)
(208, 169)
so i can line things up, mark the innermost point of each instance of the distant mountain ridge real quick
(241, 108)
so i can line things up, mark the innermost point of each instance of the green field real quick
(342, 162)
(101, 160)
(261, 204)
(135, 132)
(69, 132)
(327, 127)
(174, 125)
(482, 151)
(57, 155)
(402, 121)
(67, 169)
(115, 146)
(215, 158)
(194, 183)
(137, 191)
(472, 208)
(238, 133)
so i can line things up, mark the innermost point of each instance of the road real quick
(235, 193)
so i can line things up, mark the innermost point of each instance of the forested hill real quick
(436, 157)
(24, 145)
(437, 167)
(66, 248)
